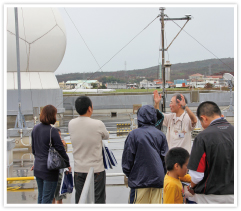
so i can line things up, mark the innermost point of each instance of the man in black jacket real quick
(211, 164)
(143, 159)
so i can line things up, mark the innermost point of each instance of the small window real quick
(113, 114)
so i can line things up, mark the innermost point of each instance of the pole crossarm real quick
(172, 19)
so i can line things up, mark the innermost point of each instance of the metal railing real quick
(20, 178)
(88, 192)
(114, 174)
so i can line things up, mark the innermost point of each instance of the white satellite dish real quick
(228, 77)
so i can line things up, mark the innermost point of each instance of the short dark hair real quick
(48, 115)
(178, 97)
(176, 155)
(208, 108)
(82, 104)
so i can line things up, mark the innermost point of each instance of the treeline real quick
(178, 71)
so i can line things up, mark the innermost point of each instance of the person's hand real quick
(64, 143)
(32, 168)
(70, 169)
(190, 190)
(157, 97)
(182, 102)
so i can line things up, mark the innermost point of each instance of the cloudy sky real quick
(106, 30)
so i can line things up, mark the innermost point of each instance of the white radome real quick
(42, 44)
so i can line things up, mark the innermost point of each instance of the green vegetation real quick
(208, 86)
(178, 71)
(110, 79)
(94, 85)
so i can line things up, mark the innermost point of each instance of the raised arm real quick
(188, 110)
(157, 99)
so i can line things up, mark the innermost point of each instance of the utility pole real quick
(20, 118)
(163, 61)
(162, 19)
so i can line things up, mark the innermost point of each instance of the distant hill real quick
(178, 71)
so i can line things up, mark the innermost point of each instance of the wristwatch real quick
(183, 107)
(190, 187)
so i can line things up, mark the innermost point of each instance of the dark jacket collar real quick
(219, 121)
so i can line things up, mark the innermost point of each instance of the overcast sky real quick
(108, 29)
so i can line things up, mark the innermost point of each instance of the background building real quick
(82, 84)
(116, 85)
(196, 76)
(62, 85)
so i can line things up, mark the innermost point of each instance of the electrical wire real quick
(83, 39)
(100, 68)
(203, 46)
(96, 60)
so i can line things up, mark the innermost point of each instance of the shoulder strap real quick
(50, 143)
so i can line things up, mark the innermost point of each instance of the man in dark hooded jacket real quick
(143, 158)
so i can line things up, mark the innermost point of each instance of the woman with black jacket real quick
(46, 179)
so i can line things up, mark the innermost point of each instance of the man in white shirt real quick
(86, 137)
(179, 123)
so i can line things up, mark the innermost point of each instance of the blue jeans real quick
(46, 191)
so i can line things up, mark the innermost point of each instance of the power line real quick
(129, 41)
(204, 47)
(113, 55)
(83, 39)
(94, 56)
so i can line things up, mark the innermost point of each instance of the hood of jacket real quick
(146, 115)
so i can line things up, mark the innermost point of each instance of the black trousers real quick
(99, 183)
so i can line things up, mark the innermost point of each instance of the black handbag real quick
(55, 160)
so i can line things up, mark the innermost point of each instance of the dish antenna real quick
(230, 80)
